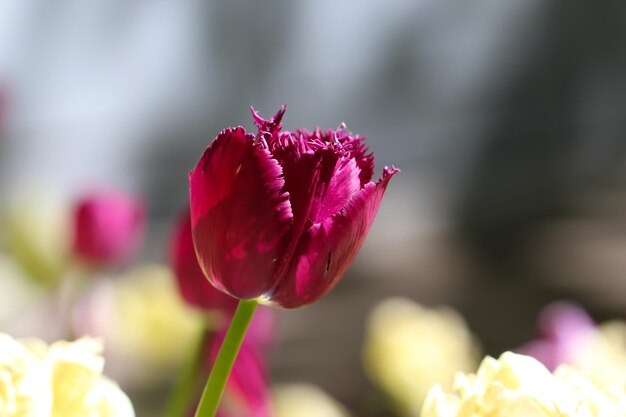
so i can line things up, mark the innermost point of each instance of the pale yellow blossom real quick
(149, 330)
(520, 386)
(604, 360)
(305, 400)
(409, 348)
(61, 380)
(38, 234)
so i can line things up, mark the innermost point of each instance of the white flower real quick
(61, 380)
(520, 386)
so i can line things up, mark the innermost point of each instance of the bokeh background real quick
(507, 119)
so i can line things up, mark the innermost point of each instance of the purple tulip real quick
(197, 291)
(280, 216)
(194, 287)
(562, 331)
(108, 226)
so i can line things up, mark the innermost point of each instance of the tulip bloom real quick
(280, 216)
(107, 226)
(194, 287)
(247, 392)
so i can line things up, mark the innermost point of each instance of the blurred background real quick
(507, 119)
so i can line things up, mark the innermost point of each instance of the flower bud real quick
(107, 227)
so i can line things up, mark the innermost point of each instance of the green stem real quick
(214, 387)
(184, 391)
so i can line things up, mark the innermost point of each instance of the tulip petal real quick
(194, 287)
(337, 193)
(352, 146)
(364, 160)
(319, 185)
(323, 169)
(272, 126)
(240, 215)
(327, 249)
(359, 151)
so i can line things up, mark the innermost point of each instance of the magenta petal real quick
(359, 151)
(564, 322)
(563, 329)
(247, 389)
(263, 329)
(271, 126)
(353, 146)
(320, 185)
(107, 227)
(248, 382)
(194, 287)
(240, 215)
(546, 352)
(343, 184)
(365, 162)
(327, 249)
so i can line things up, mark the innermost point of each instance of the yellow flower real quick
(604, 359)
(38, 235)
(520, 386)
(305, 400)
(139, 315)
(61, 380)
(409, 348)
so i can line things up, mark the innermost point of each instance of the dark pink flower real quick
(108, 226)
(562, 330)
(263, 329)
(280, 216)
(247, 389)
(194, 287)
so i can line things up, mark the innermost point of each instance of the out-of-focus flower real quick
(37, 235)
(606, 363)
(148, 329)
(61, 380)
(194, 286)
(24, 293)
(569, 336)
(107, 227)
(281, 215)
(520, 386)
(305, 400)
(26, 307)
(247, 391)
(565, 333)
(409, 348)
(263, 328)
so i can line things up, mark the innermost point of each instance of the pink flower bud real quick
(108, 226)
(562, 329)
(280, 216)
